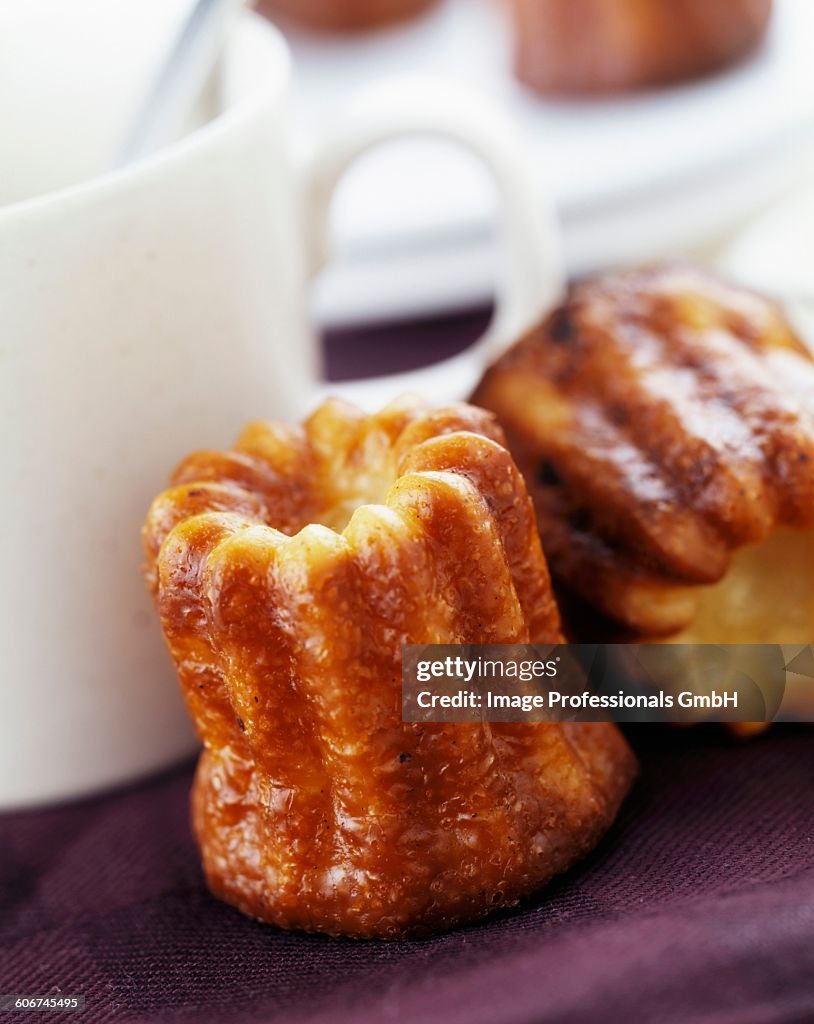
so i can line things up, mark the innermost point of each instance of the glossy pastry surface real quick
(664, 421)
(287, 574)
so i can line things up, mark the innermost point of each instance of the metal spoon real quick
(189, 63)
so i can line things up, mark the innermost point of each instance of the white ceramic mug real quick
(151, 312)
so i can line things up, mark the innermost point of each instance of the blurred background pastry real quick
(605, 46)
(675, 172)
(344, 15)
(664, 421)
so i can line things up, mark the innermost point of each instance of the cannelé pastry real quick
(606, 46)
(287, 574)
(344, 15)
(664, 422)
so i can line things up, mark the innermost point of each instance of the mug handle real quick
(533, 280)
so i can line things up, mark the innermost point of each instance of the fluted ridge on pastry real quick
(662, 419)
(288, 640)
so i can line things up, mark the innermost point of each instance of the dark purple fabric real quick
(698, 907)
(378, 349)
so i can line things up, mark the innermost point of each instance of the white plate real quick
(776, 255)
(636, 177)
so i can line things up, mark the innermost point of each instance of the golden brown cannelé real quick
(344, 15)
(606, 46)
(287, 574)
(664, 422)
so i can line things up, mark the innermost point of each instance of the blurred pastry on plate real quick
(607, 46)
(287, 574)
(664, 422)
(344, 15)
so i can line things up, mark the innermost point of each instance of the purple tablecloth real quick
(698, 907)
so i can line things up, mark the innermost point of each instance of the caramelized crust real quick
(287, 574)
(344, 15)
(663, 420)
(601, 46)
